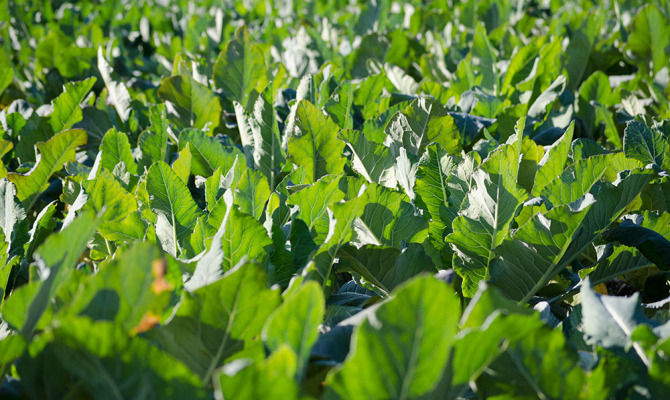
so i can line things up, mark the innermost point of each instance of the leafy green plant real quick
(334, 199)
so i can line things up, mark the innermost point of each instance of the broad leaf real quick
(115, 149)
(553, 162)
(313, 203)
(344, 215)
(484, 220)
(153, 142)
(645, 144)
(528, 260)
(296, 323)
(244, 239)
(240, 68)
(609, 320)
(540, 365)
(374, 161)
(551, 241)
(260, 137)
(403, 347)
(435, 167)
(207, 153)
(388, 219)
(270, 379)
(116, 90)
(314, 146)
(51, 156)
(622, 259)
(214, 321)
(251, 193)
(107, 197)
(385, 267)
(652, 245)
(104, 363)
(67, 111)
(192, 104)
(576, 180)
(11, 213)
(170, 198)
(57, 258)
(423, 122)
(649, 38)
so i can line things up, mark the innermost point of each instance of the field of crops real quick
(334, 199)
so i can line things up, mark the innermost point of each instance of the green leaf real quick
(540, 366)
(402, 348)
(102, 362)
(240, 68)
(251, 193)
(435, 167)
(405, 171)
(130, 228)
(66, 106)
(421, 123)
(215, 321)
(271, 379)
(489, 320)
(605, 117)
(11, 346)
(551, 241)
(623, 259)
(609, 321)
(56, 259)
(170, 198)
(153, 142)
(213, 189)
(116, 90)
(374, 161)
(52, 155)
(477, 348)
(522, 67)
(388, 219)
(314, 145)
(578, 52)
(649, 38)
(108, 198)
(244, 238)
(296, 323)
(595, 98)
(539, 106)
(131, 290)
(652, 245)
(43, 226)
(542, 243)
(576, 180)
(239, 237)
(11, 213)
(182, 165)
(340, 231)
(385, 267)
(532, 155)
(7, 76)
(369, 94)
(485, 64)
(313, 203)
(115, 149)
(207, 153)
(484, 220)
(261, 138)
(611, 201)
(193, 105)
(645, 144)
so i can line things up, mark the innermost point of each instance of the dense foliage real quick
(334, 199)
